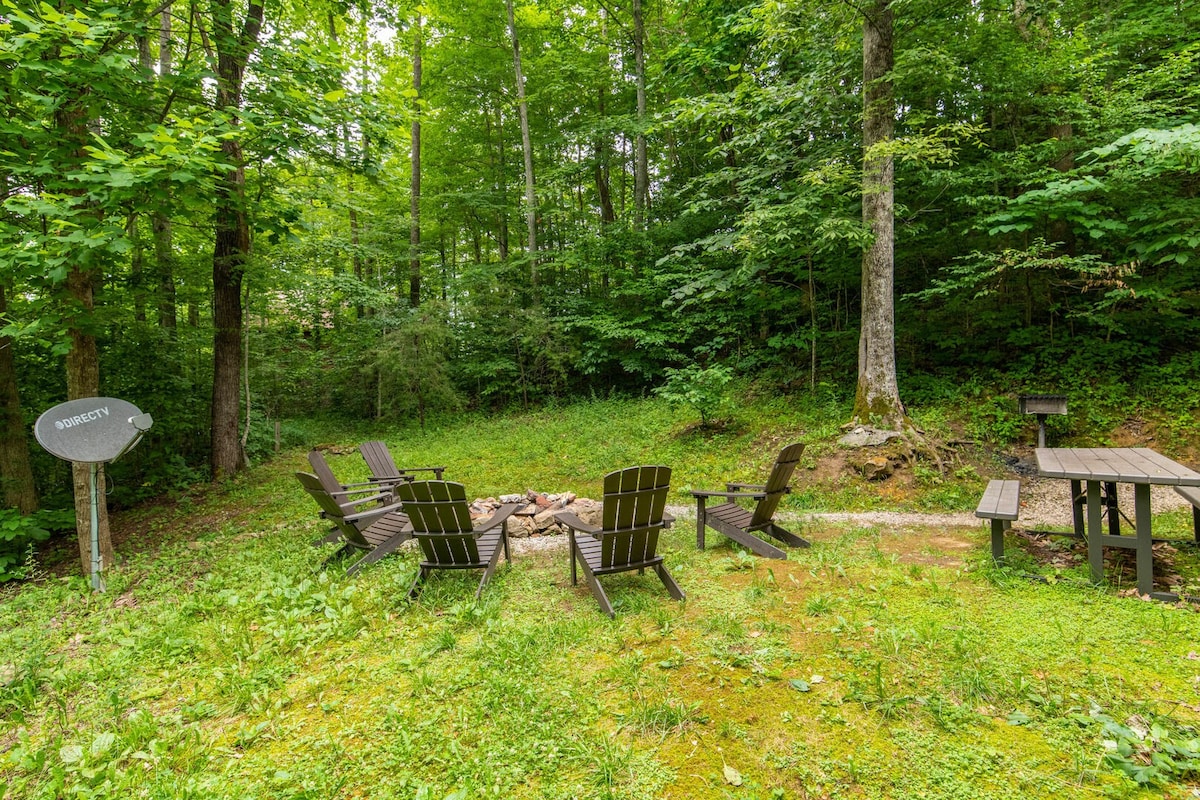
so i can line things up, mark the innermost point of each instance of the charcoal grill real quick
(1042, 405)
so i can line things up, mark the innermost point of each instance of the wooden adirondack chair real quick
(441, 524)
(627, 538)
(383, 466)
(740, 524)
(346, 494)
(378, 531)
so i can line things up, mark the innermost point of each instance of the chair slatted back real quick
(777, 485)
(441, 521)
(379, 459)
(320, 468)
(333, 512)
(632, 514)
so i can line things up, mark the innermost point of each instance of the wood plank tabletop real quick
(1116, 464)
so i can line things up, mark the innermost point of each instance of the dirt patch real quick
(939, 549)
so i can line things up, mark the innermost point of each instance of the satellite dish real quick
(91, 430)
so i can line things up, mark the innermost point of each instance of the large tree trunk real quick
(17, 489)
(877, 399)
(526, 149)
(232, 243)
(414, 230)
(83, 363)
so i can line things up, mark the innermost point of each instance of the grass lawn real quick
(224, 662)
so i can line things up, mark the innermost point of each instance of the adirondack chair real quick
(441, 524)
(378, 531)
(346, 494)
(383, 466)
(740, 524)
(627, 538)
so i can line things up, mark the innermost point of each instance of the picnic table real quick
(1100, 469)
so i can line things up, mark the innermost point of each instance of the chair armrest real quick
(668, 520)
(361, 486)
(733, 487)
(730, 495)
(502, 514)
(347, 495)
(573, 522)
(372, 513)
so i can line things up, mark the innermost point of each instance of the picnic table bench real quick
(1192, 495)
(1001, 503)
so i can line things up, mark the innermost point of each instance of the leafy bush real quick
(702, 388)
(18, 534)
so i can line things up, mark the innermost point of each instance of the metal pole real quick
(97, 566)
(1041, 418)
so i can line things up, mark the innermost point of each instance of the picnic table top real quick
(1116, 464)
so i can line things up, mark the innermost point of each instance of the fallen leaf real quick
(1193, 656)
(732, 776)
(817, 679)
(799, 685)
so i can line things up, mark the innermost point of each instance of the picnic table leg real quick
(1145, 545)
(1114, 513)
(1077, 502)
(1094, 531)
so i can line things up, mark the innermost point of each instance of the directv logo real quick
(80, 419)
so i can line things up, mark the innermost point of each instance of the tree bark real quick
(17, 488)
(877, 399)
(526, 148)
(641, 169)
(232, 241)
(414, 230)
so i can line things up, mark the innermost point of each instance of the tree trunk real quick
(641, 170)
(877, 399)
(232, 241)
(160, 223)
(526, 149)
(17, 488)
(414, 230)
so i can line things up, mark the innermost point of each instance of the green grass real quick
(224, 662)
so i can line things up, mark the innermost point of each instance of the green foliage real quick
(703, 389)
(19, 533)
(1151, 752)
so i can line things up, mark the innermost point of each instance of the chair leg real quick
(665, 576)
(786, 536)
(492, 562)
(597, 590)
(1196, 522)
(387, 547)
(759, 546)
(341, 551)
(415, 589)
(574, 555)
(701, 522)
(329, 538)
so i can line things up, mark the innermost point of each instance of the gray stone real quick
(865, 436)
